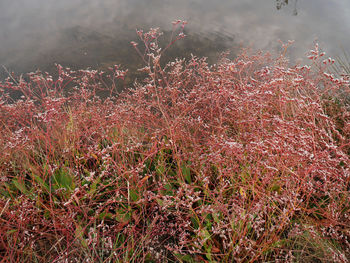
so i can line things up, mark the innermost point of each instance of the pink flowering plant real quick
(243, 161)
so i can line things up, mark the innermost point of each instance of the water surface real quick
(88, 33)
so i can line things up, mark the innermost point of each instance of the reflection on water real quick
(281, 3)
(88, 33)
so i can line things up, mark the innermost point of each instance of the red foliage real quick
(246, 160)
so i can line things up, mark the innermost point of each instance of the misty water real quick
(36, 34)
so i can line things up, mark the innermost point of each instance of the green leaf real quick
(275, 188)
(122, 216)
(184, 258)
(195, 222)
(134, 195)
(93, 186)
(160, 169)
(216, 217)
(79, 234)
(20, 186)
(4, 193)
(160, 201)
(12, 231)
(168, 186)
(186, 171)
(63, 179)
(41, 182)
(105, 215)
(169, 190)
(205, 234)
(47, 214)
